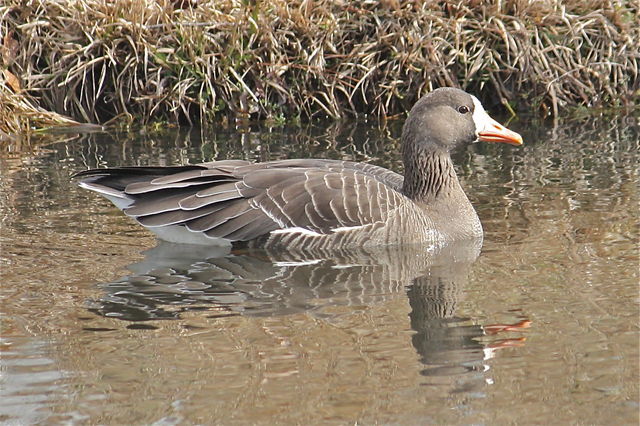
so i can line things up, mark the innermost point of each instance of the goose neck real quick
(429, 175)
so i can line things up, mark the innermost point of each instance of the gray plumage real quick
(312, 203)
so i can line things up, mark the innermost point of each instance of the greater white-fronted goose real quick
(313, 203)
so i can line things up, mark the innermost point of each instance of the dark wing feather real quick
(257, 226)
(215, 194)
(158, 202)
(231, 210)
(175, 217)
(119, 178)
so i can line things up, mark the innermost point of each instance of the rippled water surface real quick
(101, 324)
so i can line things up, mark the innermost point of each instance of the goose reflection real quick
(173, 279)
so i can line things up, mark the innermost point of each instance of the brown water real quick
(100, 325)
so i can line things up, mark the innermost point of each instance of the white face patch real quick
(481, 119)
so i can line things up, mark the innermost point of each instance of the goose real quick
(317, 204)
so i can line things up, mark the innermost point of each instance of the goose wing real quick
(240, 201)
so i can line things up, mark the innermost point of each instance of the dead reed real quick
(199, 60)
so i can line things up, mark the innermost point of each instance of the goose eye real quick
(463, 109)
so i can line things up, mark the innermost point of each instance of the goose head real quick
(449, 117)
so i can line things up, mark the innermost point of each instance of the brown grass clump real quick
(20, 114)
(193, 60)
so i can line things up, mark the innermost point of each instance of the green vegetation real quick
(197, 61)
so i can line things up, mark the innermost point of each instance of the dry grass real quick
(193, 61)
(21, 114)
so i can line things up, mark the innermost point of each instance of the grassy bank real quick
(201, 60)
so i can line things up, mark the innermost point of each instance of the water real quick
(101, 324)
